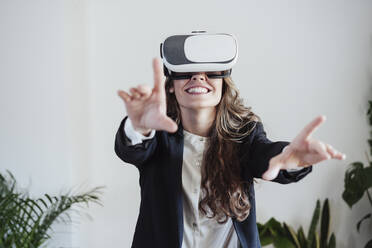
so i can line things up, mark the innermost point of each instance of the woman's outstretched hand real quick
(303, 151)
(147, 107)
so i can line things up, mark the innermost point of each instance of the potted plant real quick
(281, 235)
(358, 181)
(26, 222)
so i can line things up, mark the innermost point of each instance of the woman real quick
(197, 169)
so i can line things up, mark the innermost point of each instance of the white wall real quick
(44, 99)
(61, 63)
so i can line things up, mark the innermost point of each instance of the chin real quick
(199, 105)
(195, 103)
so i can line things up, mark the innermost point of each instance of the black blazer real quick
(159, 161)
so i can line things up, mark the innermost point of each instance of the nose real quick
(199, 76)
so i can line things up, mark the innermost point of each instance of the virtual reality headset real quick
(199, 51)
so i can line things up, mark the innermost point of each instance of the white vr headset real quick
(213, 53)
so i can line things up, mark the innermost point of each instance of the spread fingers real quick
(124, 95)
(135, 93)
(144, 90)
(335, 154)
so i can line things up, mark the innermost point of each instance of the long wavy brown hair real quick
(224, 192)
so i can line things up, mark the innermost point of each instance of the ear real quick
(171, 89)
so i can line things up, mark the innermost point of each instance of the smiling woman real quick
(199, 91)
(198, 149)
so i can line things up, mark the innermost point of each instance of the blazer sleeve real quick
(262, 150)
(137, 154)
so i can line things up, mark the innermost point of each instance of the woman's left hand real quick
(303, 151)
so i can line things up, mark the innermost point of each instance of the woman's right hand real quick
(147, 107)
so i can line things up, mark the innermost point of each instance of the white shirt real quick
(199, 231)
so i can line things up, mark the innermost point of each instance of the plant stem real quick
(369, 161)
(369, 197)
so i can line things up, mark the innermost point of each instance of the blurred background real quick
(62, 62)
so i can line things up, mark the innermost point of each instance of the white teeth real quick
(197, 90)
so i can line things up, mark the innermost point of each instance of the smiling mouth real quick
(197, 90)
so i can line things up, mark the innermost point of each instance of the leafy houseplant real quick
(281, 235)
(26, 222)
(358, 180)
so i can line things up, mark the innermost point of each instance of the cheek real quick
(218, 86)
(178, 85)
(178, 89)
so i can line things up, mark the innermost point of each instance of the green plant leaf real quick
(364, 218)
(265, 235)
(301, 237)
(25, 222)
(354, 184)
(358, 179)
(313, 225)
(324, 224)
(316, 243)
(332, 241)
(274, 227)
(369, 244)
(367, 177)
(369, 112)
(266, 240)
(260, 227)
(292, 235)
(283, 242)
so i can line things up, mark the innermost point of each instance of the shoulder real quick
(252, 129)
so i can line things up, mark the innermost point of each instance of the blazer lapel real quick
(176, 160)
